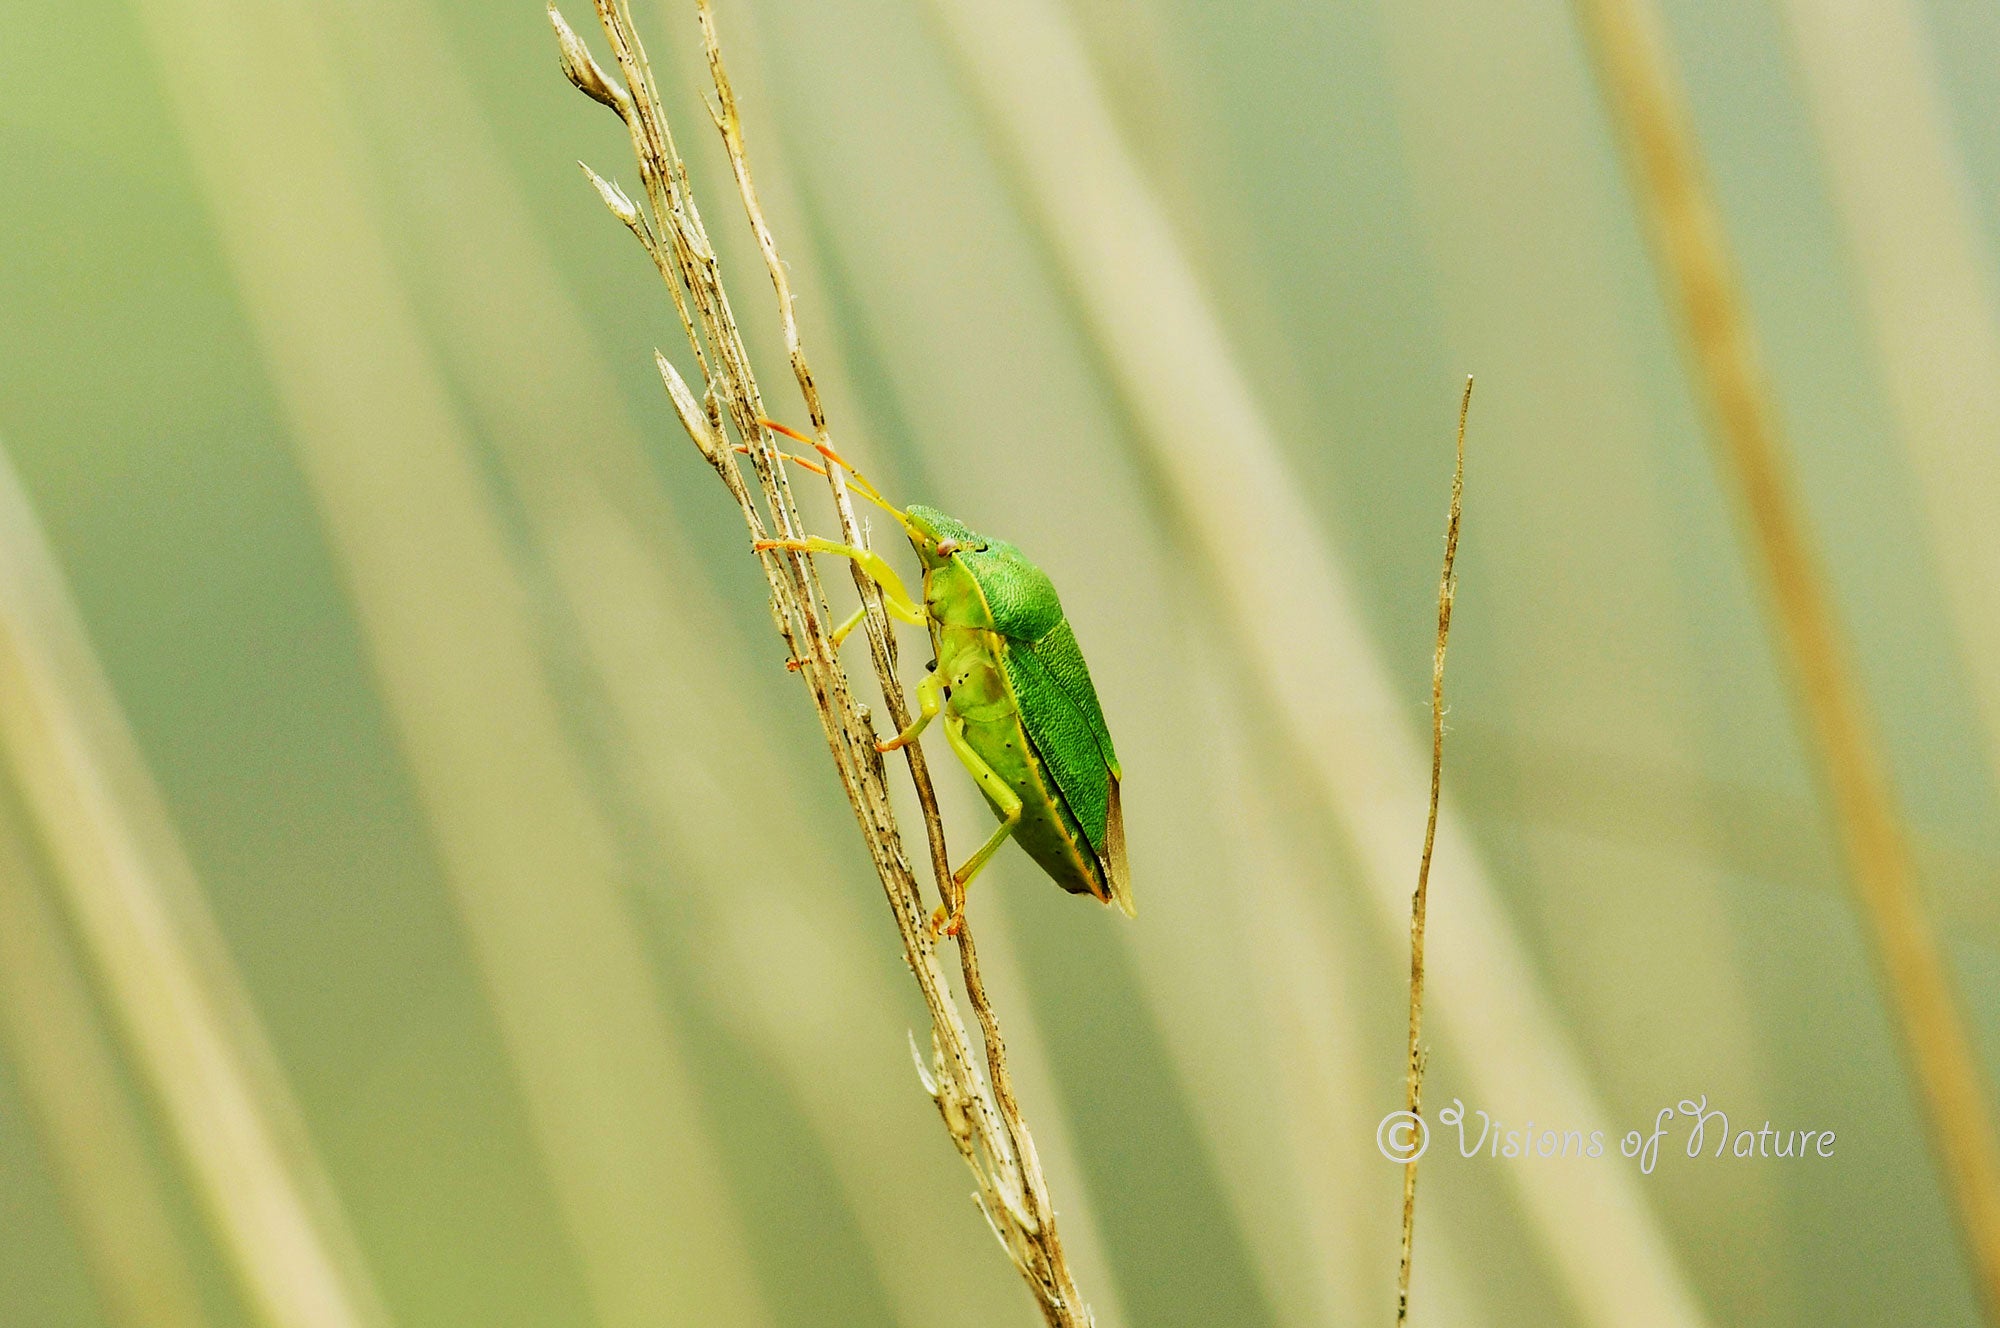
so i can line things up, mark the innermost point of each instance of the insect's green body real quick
(1014, 680)
(1011, 686)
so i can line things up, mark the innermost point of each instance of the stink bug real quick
(1011, 687)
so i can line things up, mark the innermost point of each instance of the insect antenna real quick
(803, 463)
(861, 483)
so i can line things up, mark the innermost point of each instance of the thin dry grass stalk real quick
(1229, 492)
(1649, 109)
(1413, 1095)
(984, 1121)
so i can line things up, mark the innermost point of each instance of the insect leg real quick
(894, 597)
(930, 700)
(848, 624)
(1009, 802)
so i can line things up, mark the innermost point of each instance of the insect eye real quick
(946, 548)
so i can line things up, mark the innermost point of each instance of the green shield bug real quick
(1011, 688)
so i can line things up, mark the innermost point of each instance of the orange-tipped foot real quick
(945, 922)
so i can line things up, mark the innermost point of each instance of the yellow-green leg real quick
(895, 597)
(848, 624)
(946, 922)
(930, 700)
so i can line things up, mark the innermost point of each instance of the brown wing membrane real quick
(1113, 858)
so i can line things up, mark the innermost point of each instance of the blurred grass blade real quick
(1643, 93)
(133, 900)
(67, 1068)
(540, 886)
(1215, 455)
(1596, 643)
(1321, 1095)
(1929, 282)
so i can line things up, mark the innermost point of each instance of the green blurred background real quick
(423, 663)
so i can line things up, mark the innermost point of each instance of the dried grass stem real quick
(1413, 1095)
(983, 1118)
